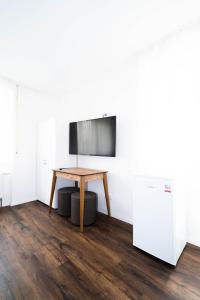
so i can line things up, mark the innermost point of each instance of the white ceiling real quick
(58, 45)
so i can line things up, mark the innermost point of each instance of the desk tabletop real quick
(80, 171)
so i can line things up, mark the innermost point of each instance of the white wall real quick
(19, 121)
(156, 99)
(49, 111)
(111, 93)
(32, 106)
(23, 179)
(168, 98)
(156, 94)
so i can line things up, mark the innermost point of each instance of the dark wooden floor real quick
(44, 257)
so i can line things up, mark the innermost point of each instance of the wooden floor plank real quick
(46, 257)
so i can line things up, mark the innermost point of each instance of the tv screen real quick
(93, 137)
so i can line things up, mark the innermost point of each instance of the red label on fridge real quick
(168, 188)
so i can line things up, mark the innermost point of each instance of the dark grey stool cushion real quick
(90, 211)
(64, 200)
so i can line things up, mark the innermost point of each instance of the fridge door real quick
(153, 228)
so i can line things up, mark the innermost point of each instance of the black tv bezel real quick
(115, 117)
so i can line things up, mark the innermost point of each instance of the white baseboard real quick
(18, 202)
(116, 216)
(195, 243)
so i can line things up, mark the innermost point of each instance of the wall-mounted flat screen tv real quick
(93, 137)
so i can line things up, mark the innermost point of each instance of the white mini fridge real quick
(159, 217)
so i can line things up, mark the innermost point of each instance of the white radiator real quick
(5, 188)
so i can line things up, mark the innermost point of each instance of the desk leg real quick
(105, 183)
(52, 190)
(82, 202)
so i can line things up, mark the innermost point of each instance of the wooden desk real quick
(82, 176)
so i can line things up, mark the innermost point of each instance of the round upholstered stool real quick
(64, 200)
(90, 209)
